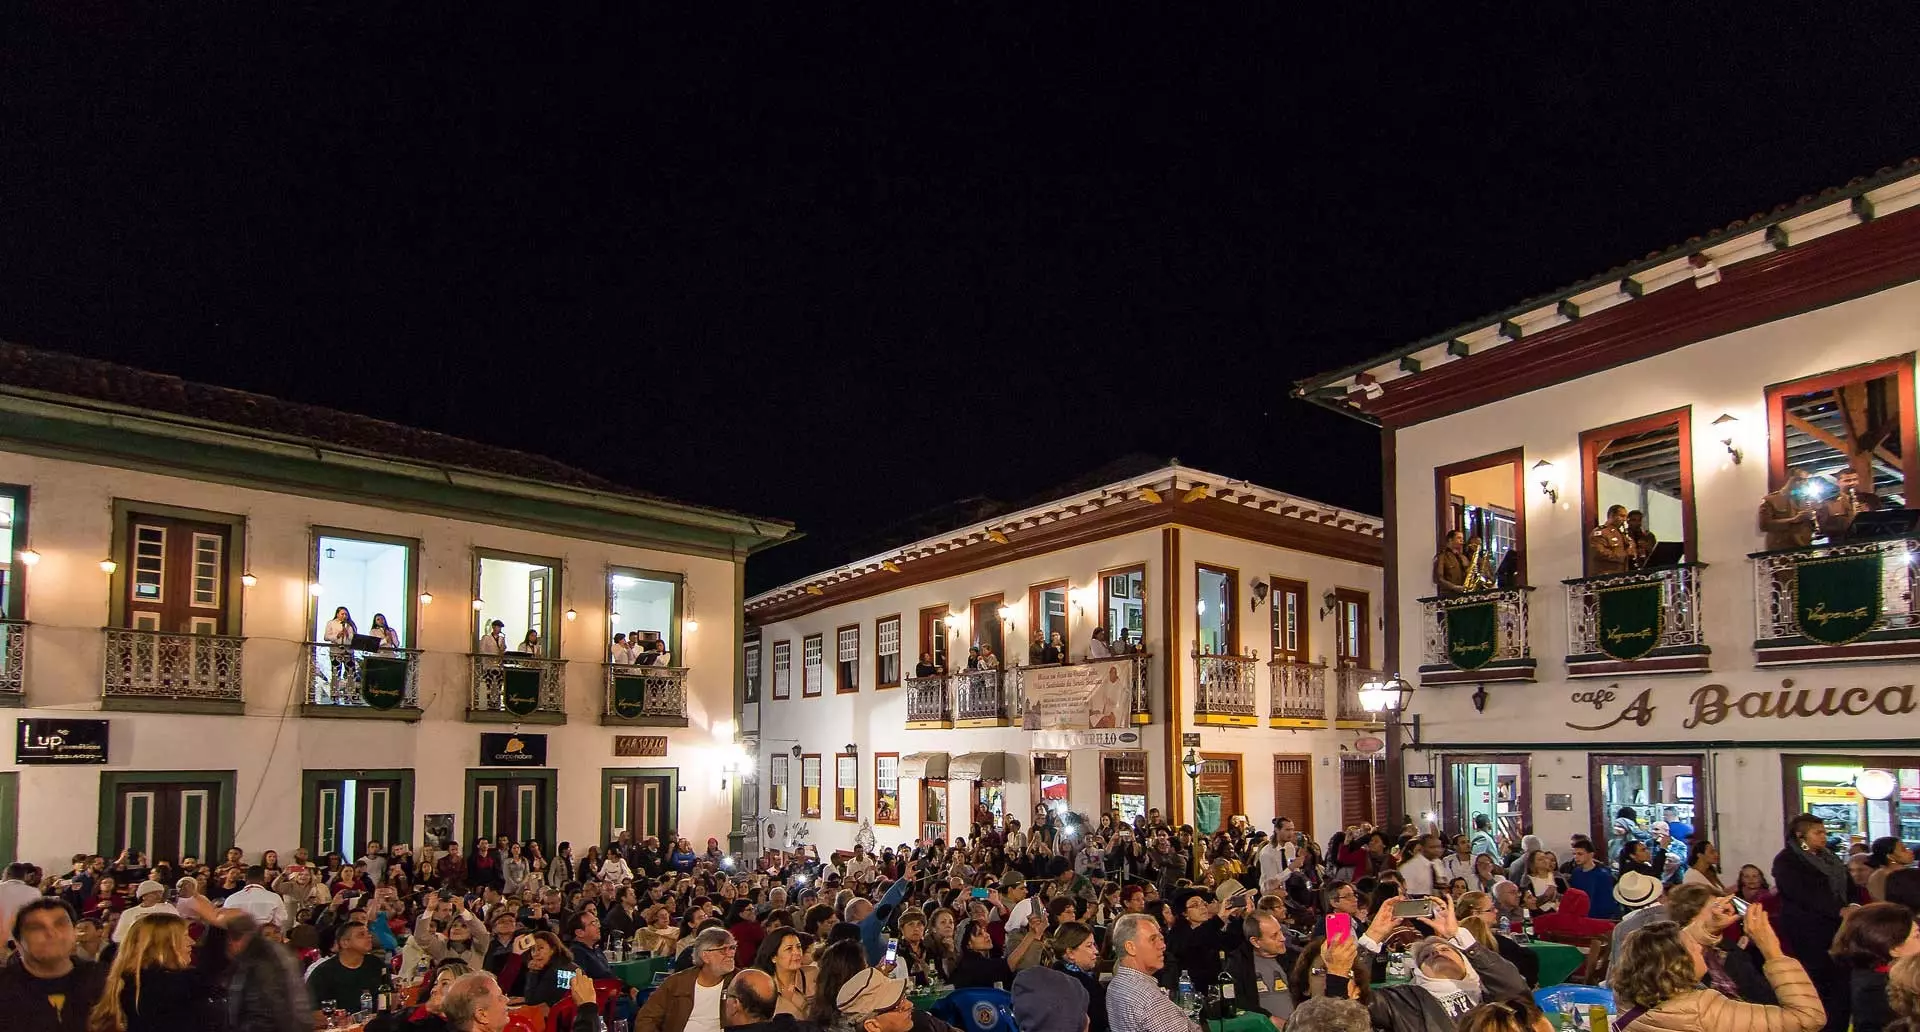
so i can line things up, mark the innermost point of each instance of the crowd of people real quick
(1090, 925)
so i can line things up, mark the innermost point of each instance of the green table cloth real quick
(639, 973)
(1558, 961)
(927, 1001)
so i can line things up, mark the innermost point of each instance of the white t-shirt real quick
(136, 913)
(706, 1007)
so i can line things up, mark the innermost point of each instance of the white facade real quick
(264, 750)
(875, 720)
(1563, 725)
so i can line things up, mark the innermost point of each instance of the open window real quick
(1288, 602)
(1852, 428)
(1216, 610)
(371, 577)
(1123, 607)
(521, 593)
(1645, 468)
(1046, 617)
(644, 606)
(1482, 499)
(13, 541)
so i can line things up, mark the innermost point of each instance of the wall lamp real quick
(1729, 427)
(1259, 594)
(1326, 605)
(1543, 472)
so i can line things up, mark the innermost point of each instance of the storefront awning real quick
(979, 766)
(923, 765)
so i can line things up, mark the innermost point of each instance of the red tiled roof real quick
(52, 372)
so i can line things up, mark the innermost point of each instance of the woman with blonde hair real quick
(1903, 995)
(153, 985)
(1656, 984)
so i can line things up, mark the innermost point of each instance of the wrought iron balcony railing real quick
(1509, 626)
(347, 681)
(1481, 636)
(651, 695)
(1776, 582)
(929, 701)
(512, 688)
(154, 665)
(981, 698)
(13, 662)
(1226, 689)
(1680, 623)
(1299, 692)
(1134, 668)
(1348, 680)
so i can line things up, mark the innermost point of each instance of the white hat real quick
(1636, 889)
(149, 886)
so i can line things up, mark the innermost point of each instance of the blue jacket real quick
(873, 928)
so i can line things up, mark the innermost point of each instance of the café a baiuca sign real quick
(1715, 704)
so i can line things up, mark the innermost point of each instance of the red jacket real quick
(1570, 924)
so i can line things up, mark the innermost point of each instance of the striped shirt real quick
(1136, 1004)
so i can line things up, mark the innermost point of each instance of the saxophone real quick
(1479, 570)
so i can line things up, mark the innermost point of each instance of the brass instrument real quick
(1479, 570)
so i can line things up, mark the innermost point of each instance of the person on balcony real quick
(925, 667)
(1786, 516)
(531, 643)
(1609, 549)
(1642, 538)
(339, 633)
(621, 654)
(988, 661)
(1450, 565)
(1055, 651)
(1100, 647)
(389, 638)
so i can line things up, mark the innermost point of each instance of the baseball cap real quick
(869, 992)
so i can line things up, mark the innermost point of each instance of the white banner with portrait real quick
(1079, 697)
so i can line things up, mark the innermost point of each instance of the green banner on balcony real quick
(383, 681)
(1470, 634)
(1630, 618)
(1837, 600)
(522, 691)
(629, 696)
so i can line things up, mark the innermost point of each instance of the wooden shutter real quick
(1356, 792)
(1293, 791)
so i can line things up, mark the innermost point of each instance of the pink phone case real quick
(1339, 926)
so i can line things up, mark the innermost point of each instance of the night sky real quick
(843, 270)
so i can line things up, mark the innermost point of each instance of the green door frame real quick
(9, 816)
(310, 798)
(607, 774)
(110, 782)
(545, 775)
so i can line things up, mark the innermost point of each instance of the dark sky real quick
(841, 269)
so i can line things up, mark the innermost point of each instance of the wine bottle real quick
(1225, 989)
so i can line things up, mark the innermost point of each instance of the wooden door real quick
(349, 813)
(1352, 627)
(1220, 777)
(642, 804)
(1293, 791)
(510, 807)
(933, 809)
(1362, 795)
(167, 821)
(933, 636)
(985, 621)
(176, 575)
(1290, 623)
(540, 607)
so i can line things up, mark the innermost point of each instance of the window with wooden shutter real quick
(1356, 792)
(846, 667)
(812, 651)
(777, 783)
(1289, 601)
(846, 787)
(750, 663)
(1293, 791)
(886, 652)
(782, 669)
(810, 785)
(1123, 783)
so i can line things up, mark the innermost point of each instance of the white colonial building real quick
(1732, 677)
(1245, 616)
(176, 554)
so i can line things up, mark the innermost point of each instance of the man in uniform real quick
(1642, 538)
(1450, 566)
(1609, 550)
(1785, 519)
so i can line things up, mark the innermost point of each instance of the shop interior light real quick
(108, 566)
(29, 557)
(1877, 784)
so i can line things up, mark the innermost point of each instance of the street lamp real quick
(1389, 698)
(1192, 765)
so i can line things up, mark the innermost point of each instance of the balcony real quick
(1350, 714)
(1836, 603)
(516, 690)
(645, 696)
(981, 699)
(1225, 690)
(929, 702)
(1477, 638)
(1142, 693)
(345, 682)
(1299, 694)
(13, 665)
(1132, 667)
(176, 673)
(1638, 622)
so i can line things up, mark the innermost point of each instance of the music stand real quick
(367, 643)
(1883, 523)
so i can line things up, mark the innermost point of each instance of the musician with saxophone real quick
(1609, 549)
(1787, 516)
(1479, 565)
(1450, 566)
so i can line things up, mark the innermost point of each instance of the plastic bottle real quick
(1526, 925)
(1184, 995)
(366, 1003)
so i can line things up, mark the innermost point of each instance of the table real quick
(640, 973)
(925, 1002)
(1245, 1021)
(1557, 960)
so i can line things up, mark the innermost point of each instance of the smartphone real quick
(1421, 908)
(893, 951)
(1239, 899)
(979, 894)
(1339, 926)
(563, 978)
(1739, 906)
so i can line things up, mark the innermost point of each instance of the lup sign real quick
(45, 742)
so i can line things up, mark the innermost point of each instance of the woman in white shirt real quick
(339, 633)
(1704, 869)
(615, 870)
(389, 638)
